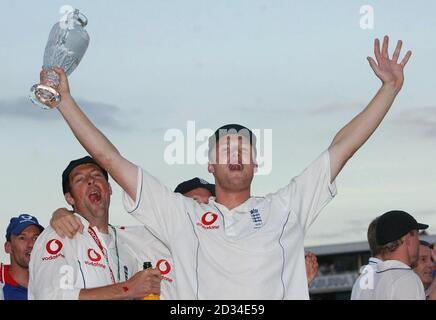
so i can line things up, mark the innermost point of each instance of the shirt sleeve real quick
(158, 208)
(308, 193)
(408, 287)
(52, 271)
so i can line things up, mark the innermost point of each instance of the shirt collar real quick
(392, 264)
(374, 260)
(8, 277)
(242, 208)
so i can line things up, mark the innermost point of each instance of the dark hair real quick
(373, 247)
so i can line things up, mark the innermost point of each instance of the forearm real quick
(112, 292)
(358, 130)
(99, 147)
(352, 136)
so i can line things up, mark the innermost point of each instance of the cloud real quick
(102, 114)
(420, 120)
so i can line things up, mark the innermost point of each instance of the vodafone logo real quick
(94, 258)
(163, 266)
(93, 255)
(54, 246)
(207, 220)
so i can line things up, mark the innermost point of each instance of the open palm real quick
(389, 71)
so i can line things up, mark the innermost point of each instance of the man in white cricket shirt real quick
(145, 246)
(238, 246)
(397, 235)
(97, 264)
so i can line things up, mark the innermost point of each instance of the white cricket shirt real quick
(396, 281)
(254, 251)
(60, 268)
(144, 246)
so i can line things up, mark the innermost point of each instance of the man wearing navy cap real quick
(97, 264)
(396, 234)
(197, 189)
(21, 235)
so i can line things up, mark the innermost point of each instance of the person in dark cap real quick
(96, 264)
(21, 235)
(397, 235)
(221, 246)
(197, 189)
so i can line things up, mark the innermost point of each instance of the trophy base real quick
(44, 96)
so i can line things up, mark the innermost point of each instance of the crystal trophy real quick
(66, 45)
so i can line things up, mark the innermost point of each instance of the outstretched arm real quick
(351, 137)
(98, 146)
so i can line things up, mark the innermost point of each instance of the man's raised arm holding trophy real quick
(84, 267)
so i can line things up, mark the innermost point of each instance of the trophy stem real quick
(45, 95)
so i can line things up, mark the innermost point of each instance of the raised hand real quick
(388, 70)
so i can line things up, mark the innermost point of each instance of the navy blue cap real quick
(18, 224)
(393, 225)
(195, 183)
(76, 163)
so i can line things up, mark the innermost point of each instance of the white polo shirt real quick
(60, 268)
(254, 251)
(364, 286)
(396, 281)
